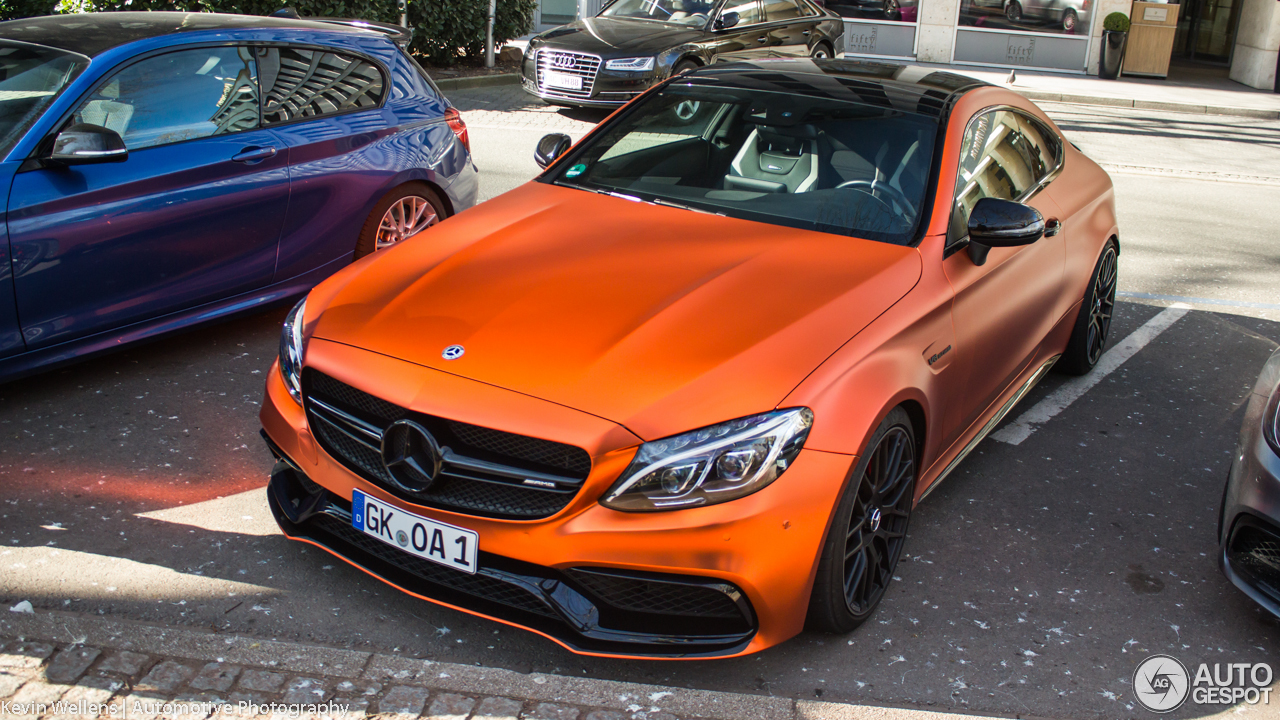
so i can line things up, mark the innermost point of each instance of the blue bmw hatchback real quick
(167, 169)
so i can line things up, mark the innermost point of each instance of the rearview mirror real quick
(726, 20)
(551, 147)
(1001, 223)
(84, 143)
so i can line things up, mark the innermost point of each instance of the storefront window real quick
(1059, 17)
(880, 28)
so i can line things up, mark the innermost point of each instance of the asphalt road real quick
(1037, 576)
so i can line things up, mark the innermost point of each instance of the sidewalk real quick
(1189, 88)
(55, 665)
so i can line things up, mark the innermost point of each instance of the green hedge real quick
(1116, 22)
(445, 30)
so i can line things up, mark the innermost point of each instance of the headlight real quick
(291, 350)
(712, 465)
(634, 64)
(1268, 386)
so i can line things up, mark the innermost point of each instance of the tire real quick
(892, 9)
(1069, 21)
(1013, 11)
(684, 66)
(377, 236)
(822, 51)
(873, 514)
(1089, 336)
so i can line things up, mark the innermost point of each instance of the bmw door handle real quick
(763, 39)
(254, 154)
(1052, 227)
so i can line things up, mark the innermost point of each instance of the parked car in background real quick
(1063, 16)
(167, 169)
(1249, 519)
(679, 395)
(904, 10)
(611, 58)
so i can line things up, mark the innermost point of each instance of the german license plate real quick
(447, 545)
(564, 81)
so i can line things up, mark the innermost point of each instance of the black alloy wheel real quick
(1069, 21)
(869, 530)
(821, 51)
(1093, 324)
(1103, 305)
(891, 9)
(1013, 11)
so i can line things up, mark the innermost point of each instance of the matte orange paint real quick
(601, 322)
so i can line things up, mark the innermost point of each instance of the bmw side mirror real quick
(1001, 223)
(551, 147)
(83, 144)
(726, 20)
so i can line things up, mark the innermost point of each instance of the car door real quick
(1005, 307)
(327, 107)
(193, 215)
(789, 29)
(748, 39)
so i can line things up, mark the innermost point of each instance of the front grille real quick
(478, 585)
(485, 472)
(712, 600)
(568, 63)
(1255, 552)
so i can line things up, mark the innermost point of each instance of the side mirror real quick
(726, 20)
(84, 144)
(1001, 223)
(551, 147)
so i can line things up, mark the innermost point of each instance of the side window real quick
(776, 10)
(748, 11)
(299, 83)
(996, 160)
(1046, 148)
(177, 96)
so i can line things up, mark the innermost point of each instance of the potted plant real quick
(1115, 33)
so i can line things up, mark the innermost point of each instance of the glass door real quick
(1207, 30)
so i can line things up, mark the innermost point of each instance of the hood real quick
(617, 37)
(656, 318)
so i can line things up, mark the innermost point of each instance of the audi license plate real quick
(447, 545)
(562, 80)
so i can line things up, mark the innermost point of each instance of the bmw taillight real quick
(459, 128)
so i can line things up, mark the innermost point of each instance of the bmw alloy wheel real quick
(405, 218)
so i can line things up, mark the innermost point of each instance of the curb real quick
(633, 699)
(478, 81)
(1149, 104)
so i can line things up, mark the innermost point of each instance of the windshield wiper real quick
(668, 203)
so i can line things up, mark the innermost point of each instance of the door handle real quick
(763, 39)
(254, 154)
(805, 33)
(1052, 227)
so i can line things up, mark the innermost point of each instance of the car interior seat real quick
(106, 111)
(776, 160)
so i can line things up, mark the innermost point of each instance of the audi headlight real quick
(291, 350)
(639, 64)
(711, 465)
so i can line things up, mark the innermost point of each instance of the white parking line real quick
(1070, 391)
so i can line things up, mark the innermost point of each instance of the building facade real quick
(1055, 35)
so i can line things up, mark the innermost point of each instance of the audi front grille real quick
(565, 62)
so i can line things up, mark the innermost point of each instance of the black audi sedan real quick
(1249, 519)
(606, 60)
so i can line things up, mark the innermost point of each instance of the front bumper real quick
(607, 89)
(759, 552)
(1249, 530)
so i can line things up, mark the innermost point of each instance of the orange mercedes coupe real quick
(677, 396)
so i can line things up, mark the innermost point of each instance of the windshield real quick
(31, 76)
(814, 163)
(693, 13)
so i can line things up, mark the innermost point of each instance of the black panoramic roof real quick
(93, 33)
(889, 85)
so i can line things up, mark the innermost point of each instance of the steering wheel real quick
(872, 187)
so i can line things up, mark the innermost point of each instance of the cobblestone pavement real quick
(64, 665)
(507, 106)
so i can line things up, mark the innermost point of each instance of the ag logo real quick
(1161, 683)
